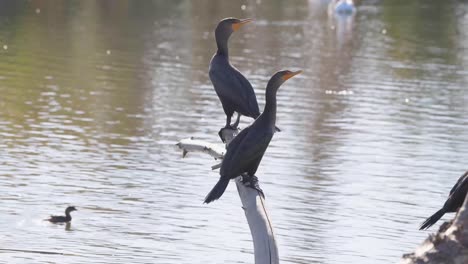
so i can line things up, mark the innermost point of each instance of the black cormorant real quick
(63, 219)
(234, 91)
(244, 153)
(453, 203)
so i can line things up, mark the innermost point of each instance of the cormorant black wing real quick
(245, 154)
(460, 181)
(248, 95)
(233, 88)
(457, 194)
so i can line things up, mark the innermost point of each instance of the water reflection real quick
(94, 94)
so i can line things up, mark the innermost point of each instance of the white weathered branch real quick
(265, 248)
(192, 145)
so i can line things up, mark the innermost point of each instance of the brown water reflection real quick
(94, 94)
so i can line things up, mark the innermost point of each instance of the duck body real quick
(62, 219)
(59, 219)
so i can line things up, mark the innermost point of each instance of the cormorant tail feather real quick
(217, 190)
(432, 220)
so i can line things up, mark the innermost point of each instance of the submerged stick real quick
(35, 251)
(265, 248)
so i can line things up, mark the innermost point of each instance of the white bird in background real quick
(342, 7)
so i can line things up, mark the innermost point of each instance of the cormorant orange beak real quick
(239, 24)
(290, 75)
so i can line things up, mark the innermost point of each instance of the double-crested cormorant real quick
(234, 91)
(244, 153)
(63, 219)
(453, 203)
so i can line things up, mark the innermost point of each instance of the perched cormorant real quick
(62, 219)
(234, 90)
(453, 203)
(244, 153)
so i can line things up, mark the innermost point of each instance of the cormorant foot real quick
(226, 134)
(220, 134)
(252, 182)
(237, 121)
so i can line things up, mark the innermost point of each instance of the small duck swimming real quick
(62, 219)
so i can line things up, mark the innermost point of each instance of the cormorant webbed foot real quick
(277, 129)
(226, 134)
(236, 124)
(252, 182)
(220, 134)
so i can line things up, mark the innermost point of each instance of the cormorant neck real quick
(222, 43)
(270, 105)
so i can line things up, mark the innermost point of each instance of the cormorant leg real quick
(228, 121)
(252, 182)
(228, 125)
(234, 126)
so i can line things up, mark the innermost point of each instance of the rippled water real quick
(94, 95)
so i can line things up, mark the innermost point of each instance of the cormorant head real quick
(280, 77)
(70, 209)
(227, 26)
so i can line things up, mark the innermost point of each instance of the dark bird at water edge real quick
(454, 201)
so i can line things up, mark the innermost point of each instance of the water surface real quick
(94, 95)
